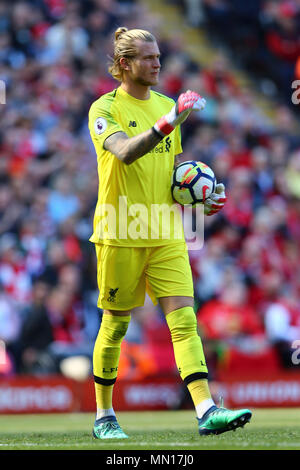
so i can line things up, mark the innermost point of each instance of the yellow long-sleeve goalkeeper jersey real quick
(135, 206)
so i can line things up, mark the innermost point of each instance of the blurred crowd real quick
(261, 35)
(53, 60)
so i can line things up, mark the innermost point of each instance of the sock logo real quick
(108, 371)
(112, 295)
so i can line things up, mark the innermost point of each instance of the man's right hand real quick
(215, 202)
(186, 103)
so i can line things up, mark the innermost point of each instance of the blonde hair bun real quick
(119, 32)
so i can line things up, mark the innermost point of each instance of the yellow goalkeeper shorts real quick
(125, 274)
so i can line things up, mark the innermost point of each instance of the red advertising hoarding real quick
(157, 393)
(280, 389)
(51, 394)
(54, 394)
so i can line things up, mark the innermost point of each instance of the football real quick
(192, 183)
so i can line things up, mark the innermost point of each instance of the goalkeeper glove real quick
(187, 102)
(215, 201)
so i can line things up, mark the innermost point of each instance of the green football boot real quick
(218, 420)
(108, 428)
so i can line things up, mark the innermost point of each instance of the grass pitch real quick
(273, 429)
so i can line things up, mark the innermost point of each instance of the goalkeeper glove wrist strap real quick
(166, 124)
(157, 133)
(163, 127)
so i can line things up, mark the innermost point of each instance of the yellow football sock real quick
(199, 391)
(106, 356)
(104, 396)
(189, 356)
(187, 344)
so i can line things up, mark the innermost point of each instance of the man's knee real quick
(113, 328)
(169, 304)
(182, 323)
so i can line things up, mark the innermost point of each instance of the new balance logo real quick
(132, 124)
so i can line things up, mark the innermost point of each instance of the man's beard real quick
(143, 82)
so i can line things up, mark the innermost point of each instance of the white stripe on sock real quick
(103, 413)
(203, 406)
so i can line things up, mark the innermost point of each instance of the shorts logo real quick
(100, 125)
(112, 295)
(132, 124)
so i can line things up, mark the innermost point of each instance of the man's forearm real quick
(128, 149)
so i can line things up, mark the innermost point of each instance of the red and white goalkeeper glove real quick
(187, 102)
(215, 202)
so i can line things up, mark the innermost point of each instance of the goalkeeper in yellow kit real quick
(136, 134)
